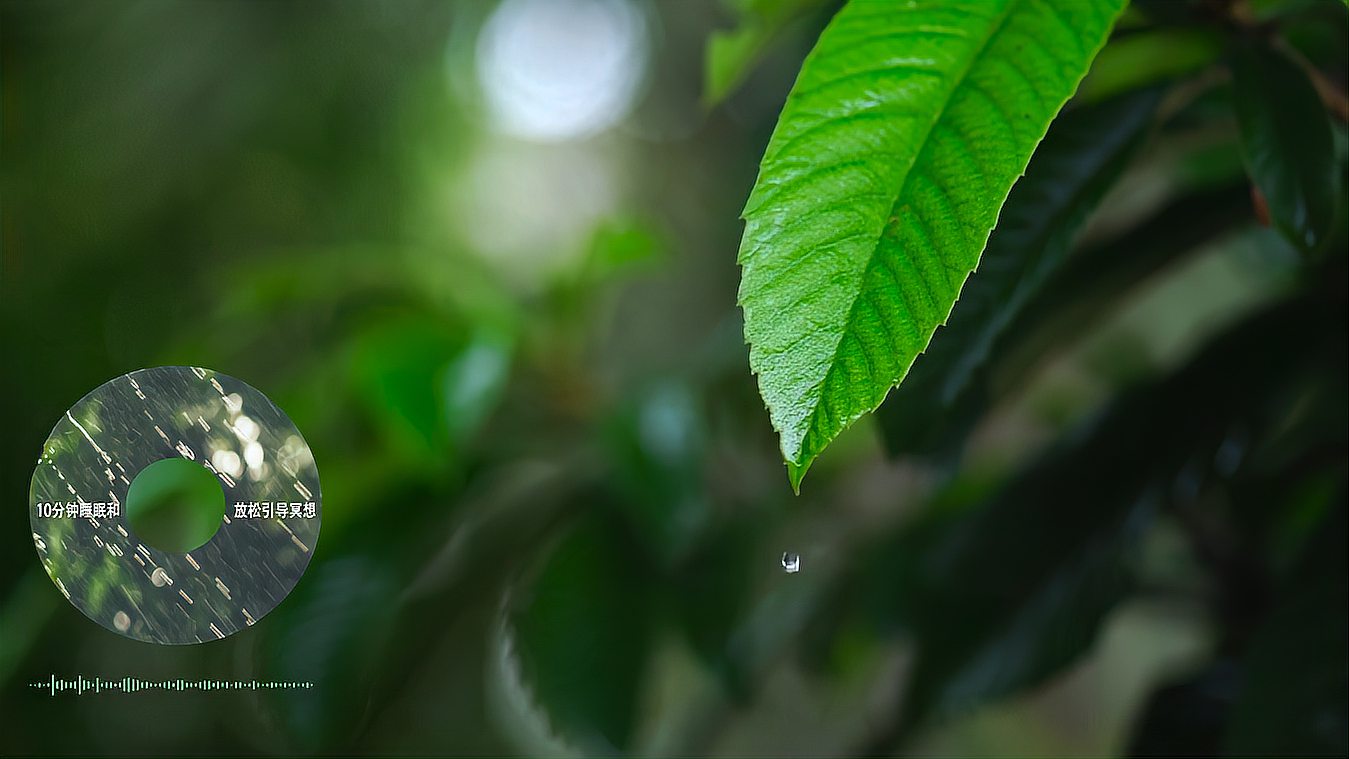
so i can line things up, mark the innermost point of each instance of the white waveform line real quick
(82, 685)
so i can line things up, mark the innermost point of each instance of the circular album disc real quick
(77, 505)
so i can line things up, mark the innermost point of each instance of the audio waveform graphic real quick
(82, 685)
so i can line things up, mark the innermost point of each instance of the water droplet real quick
(121, 621)
(160, 578)
(791, 562)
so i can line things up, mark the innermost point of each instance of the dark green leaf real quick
(428, 386)
(1040, 566)
(1097, 280)
(330, 632)
(1079, 159)
(1287, 141)
(1295, 694)
(1089, 284)
(1186, 717)
(499, 527)
(714, 591)
(903, 134)
(582, 635)
(395, 366)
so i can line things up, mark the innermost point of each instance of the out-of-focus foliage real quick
(1149, 56)
(1286, 138)
(1081, 157)
(731, 54)
(483, 256)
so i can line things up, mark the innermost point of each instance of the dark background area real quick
(484, 257)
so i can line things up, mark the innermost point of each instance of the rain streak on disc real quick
(77, 505)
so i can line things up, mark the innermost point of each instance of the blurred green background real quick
(483, 255)
(175, 505)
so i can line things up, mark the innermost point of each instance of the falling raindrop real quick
(791, 562)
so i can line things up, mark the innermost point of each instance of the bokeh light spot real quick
(554, 70)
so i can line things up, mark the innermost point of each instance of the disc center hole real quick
(175, 505)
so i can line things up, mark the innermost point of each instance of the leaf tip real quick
(796, 473)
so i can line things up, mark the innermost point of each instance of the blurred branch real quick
(1240, 16)
(1336, 102)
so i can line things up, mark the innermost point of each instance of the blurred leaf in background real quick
(1286, 139)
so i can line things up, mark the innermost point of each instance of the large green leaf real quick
(1080, 158)
(1288, 144)
(903, 134)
